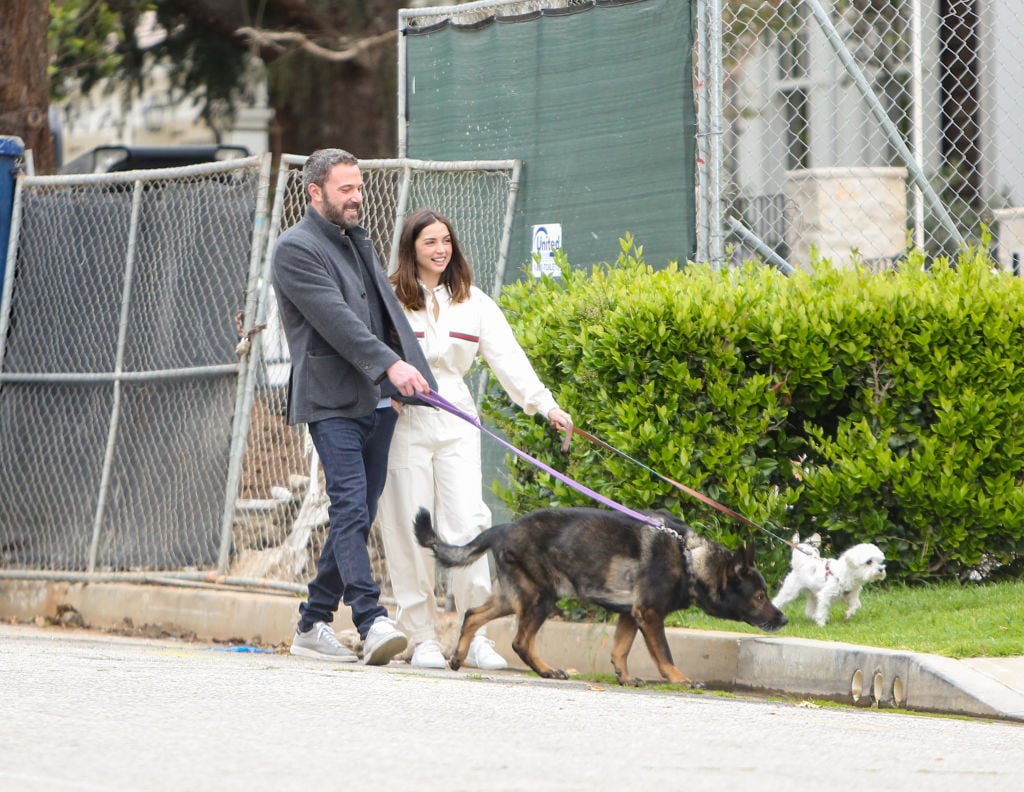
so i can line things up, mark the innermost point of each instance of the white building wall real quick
(1003, 98)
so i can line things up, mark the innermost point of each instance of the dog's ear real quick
(744, 557)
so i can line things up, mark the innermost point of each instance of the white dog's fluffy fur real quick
(824, 580)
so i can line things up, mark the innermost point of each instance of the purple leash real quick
(436, 400)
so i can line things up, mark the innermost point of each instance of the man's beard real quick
(335, 213)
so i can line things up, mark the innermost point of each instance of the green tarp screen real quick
(596, 100)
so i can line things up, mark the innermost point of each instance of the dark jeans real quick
(354, 456)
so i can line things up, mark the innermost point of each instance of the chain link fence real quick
(143, 371)
(119, 380)
(854, 126)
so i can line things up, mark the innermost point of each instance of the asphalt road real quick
(87, 711)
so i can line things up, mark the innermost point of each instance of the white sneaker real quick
(427, 654)
(321, 643)
(383, 642)
(482, 655)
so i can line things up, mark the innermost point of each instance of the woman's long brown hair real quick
(457, 276)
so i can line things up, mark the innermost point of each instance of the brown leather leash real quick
(573, 429)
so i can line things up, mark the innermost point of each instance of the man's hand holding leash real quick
(407, 379)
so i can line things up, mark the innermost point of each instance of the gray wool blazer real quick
(339, 367)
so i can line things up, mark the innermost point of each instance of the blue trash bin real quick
(12, 149)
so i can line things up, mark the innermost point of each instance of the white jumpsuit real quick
(435, 456)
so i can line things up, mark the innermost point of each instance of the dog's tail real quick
(448, 555)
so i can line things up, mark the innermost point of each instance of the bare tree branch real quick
(283, 40)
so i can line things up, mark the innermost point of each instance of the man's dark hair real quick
(319, 163)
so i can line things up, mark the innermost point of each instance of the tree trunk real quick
(353, 106)
(24, 85)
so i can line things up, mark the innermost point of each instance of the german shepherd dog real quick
(640, 572)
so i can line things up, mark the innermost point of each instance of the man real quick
(350, 343)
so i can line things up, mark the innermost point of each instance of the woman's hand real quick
(560, 419)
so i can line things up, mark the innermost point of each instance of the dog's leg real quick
(811, 605)
(790, 591)
(475, 618)
(652, 625)
(530, 621)
(625, 632)
(819, 606)
(852, 602)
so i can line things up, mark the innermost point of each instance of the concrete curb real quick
(869, 676)
(792, 667)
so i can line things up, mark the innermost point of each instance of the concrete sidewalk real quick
(765, 665)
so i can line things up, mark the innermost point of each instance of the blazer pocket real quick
(329, 382)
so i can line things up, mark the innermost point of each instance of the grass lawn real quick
(944, 619)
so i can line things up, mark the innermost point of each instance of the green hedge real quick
(868, 407)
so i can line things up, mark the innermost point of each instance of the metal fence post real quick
(255, 318)
(716, 147)
(119, 354)
(701, 46)
(917, 114)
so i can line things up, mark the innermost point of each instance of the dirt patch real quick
(274, 451)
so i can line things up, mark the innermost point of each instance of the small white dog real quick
(825, 580)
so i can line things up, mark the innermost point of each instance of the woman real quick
(435, 456)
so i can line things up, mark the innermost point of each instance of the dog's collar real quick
(829, 573)
(660, 525)
(689, 540)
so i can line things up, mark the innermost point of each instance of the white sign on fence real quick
(546, 240)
